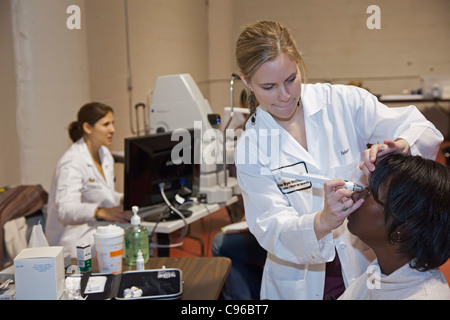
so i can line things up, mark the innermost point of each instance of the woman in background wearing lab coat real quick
(82, 189)
(322, 129)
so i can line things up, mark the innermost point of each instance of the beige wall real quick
(165, 37)
(49, 71)
(414, 38)
(193, 36)
(9, 150)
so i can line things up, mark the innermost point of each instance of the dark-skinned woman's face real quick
(368, 222)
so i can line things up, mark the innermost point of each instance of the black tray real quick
(155, 284)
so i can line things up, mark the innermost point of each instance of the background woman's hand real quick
(114, 214)
(338, 204)
(377, 150)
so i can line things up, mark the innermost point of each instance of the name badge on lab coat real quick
(93, 184)
(287, 185)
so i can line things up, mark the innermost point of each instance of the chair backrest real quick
(17, 202)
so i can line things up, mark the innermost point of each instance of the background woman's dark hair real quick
(418, 205)
(90, 113)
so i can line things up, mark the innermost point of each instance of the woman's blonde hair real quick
(264, 41)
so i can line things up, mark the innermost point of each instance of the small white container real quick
(109, 247)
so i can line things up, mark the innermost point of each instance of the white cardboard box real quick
(39, 273)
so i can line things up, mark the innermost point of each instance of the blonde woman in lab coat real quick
(323, 129)
(82, 189)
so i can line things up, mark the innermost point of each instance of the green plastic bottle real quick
(136, 238)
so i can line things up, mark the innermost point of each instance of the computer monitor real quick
(160, 158)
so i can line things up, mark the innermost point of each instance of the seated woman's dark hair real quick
(417, 207)
(90, 113)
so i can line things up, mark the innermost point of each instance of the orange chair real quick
(445, 269)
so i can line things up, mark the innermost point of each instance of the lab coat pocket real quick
(284, 280)
(92, 191)
(92, 184)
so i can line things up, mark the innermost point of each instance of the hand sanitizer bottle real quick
(136, 238)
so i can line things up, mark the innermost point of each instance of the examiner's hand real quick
(114, 214)
(338, 204)
(377, 150)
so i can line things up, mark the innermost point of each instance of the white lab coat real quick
(77, 190)
(340, 121)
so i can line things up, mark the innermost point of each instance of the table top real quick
(203, 277)
(199, 211)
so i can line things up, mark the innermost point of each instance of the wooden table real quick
(203, 277)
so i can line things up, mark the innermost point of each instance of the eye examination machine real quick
(176, 102)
